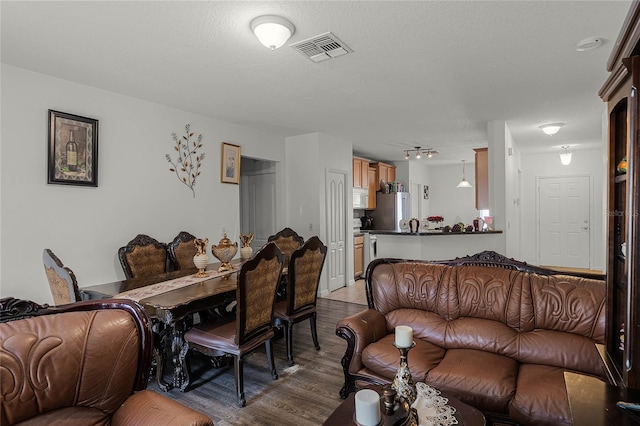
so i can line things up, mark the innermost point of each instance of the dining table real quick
(170, 299)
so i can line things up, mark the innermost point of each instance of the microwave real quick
(360, 198)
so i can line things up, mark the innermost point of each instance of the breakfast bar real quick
(436, 245)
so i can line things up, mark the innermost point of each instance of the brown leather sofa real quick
(496, 333)
(85, 363)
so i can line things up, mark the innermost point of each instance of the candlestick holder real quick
(403, 382)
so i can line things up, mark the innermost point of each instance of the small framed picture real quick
(426, 192)
(73, 150)
(230, 168)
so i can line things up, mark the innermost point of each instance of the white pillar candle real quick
(368, 407)
(404, 336)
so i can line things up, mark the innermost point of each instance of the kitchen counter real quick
(433, 232)
(434, 245)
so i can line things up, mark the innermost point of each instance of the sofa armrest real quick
(359, 330)
(150, 408)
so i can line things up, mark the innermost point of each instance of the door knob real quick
(585, 227)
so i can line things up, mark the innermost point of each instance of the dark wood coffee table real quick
(343, 415)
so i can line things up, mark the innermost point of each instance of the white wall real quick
(584, 163)
(136, 192)
(455, 204)
(309, 157)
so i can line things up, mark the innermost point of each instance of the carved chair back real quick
(287, 241)
(62, 280)
(181, 251)
(257, 282)
(143, 256)
(305, 268)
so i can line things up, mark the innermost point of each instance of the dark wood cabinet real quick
(620, 92)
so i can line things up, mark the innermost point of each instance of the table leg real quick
(160, 352)
(180, 378)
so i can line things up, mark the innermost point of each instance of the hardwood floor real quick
(354, 294)
(304, 394)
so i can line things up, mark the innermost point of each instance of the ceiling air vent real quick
(322, 47)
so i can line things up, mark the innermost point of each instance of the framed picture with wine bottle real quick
(72, 150)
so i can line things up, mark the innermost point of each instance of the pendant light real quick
(464, 183)
(565, 155)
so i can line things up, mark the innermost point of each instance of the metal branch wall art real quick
(187, 165)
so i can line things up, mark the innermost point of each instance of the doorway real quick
(564, 230)
(258, 199)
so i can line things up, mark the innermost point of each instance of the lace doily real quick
(432, 408)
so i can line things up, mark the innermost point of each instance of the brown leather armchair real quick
(85, 363)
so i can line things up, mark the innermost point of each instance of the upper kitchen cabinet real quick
(384, 172)
(360, 172)
(482, 178)
(373, 187)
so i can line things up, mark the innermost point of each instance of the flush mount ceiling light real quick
(551, 128)
(419, 152)
(464, 183)
(272, 31)
(565, 155)
(588, 43)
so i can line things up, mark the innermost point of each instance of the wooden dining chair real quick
(181, 251)
(305, 267)
(62, 280)
(252, 326)
(288, 241)
(143, 256)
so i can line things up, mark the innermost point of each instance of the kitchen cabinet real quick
(385, 172)
(620, 92)
(360, 172)
(372, 188)
(482, 178)
(358, 256)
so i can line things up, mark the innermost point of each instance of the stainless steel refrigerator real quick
(390, 209)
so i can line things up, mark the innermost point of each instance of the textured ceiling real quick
(427, 73)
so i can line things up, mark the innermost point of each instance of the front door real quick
(336, 229)
(564, 232)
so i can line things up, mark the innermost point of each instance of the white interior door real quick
(336, 229)
(564, 231)
(258, 205)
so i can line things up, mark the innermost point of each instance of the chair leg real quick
(272, 365)
(238, 368)
(314, 331)
(289, 326)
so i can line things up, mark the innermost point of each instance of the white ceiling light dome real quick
(588, 43)
(551, 128)
(272, 31)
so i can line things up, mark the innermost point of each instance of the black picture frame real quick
(72, 152)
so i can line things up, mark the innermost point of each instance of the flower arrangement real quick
(435, 218)
(186, 167)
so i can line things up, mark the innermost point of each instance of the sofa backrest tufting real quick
(507, 311)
